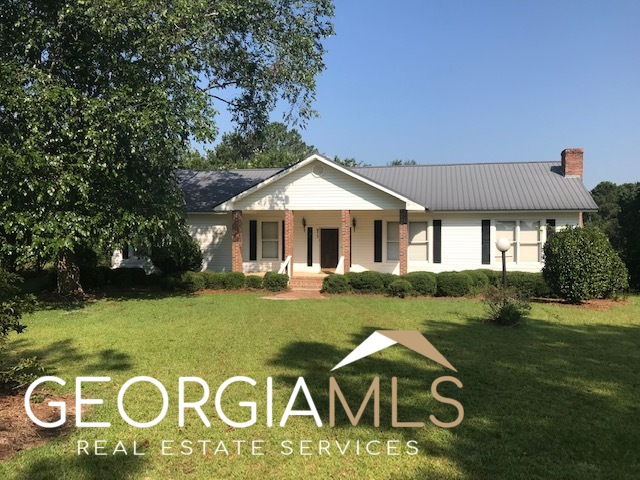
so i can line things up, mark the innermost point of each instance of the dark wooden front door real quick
(329, 248)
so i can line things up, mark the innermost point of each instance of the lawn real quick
(554, 398)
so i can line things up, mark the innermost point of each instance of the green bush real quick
(233, 280)
(213, 280)
(121, 277)
(94, 277)
(254, 282)
(479, 281)
(178, 254)
(424, 283)
(153, 279)
(38, 281)
(191, 282)
(581, 264)
(401, 288)
(335, 284)
(275, 282)
(388, 279)
(505, 306)
(494, 276)
(169, 283)
(453, 284)
(528, 284)
(365, 282)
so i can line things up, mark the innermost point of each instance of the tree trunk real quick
(69, 275)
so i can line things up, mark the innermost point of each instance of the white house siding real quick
(213, 234)
(303, 189)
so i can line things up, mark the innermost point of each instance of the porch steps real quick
(306, 283)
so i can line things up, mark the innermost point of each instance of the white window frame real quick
(424, 244)
(276, 240)
(387, 242)
(517, 243)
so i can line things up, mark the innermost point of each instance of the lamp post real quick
(504, 245)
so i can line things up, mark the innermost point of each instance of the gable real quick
(317, 185)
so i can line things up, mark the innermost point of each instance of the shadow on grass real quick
(542, 401)
(89, 467)
(64, 352)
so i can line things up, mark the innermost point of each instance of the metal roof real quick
(459, 187)
(485, 186)
(204, 189)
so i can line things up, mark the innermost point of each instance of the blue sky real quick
(491, 81)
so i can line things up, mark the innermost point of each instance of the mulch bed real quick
(18, 432)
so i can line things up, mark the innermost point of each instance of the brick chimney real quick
(572, 162)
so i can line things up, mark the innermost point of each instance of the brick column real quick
(404, 240)
(345, 237)
(236, 241)
(288, 237)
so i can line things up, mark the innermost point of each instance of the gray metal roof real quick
(485, 186)
(461, 187)
(204, 189)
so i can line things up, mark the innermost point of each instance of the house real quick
(317, 216)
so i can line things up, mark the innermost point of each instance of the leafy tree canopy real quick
(99, 98)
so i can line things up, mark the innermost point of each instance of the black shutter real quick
(125, 251)
(377, 240)
(486, 242)
(253, 239)
(283, 240)
(309, 246)
(437, 241)
(551, 227)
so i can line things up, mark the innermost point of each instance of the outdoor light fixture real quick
(304, 223)
(503, 244)
(353, 222)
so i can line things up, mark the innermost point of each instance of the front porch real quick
(309, 244)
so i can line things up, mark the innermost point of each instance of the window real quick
(506, 229)
(393, 240)
(524, 235)
(270, 240)
(418, 242)
(529, 250)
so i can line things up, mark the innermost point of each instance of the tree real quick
(99, 98)
(349, 162)
(618, 216)
(192, 159)
(273, 146)
(581, 264)
(401, 163)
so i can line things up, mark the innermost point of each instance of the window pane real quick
(529, 232)
(506, 230)
(269, 249)
(393, 231)
(418, 253)
(529, 253)
(417, 232)
(393, 251)
(269, 230)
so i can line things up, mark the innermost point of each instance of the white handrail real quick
(340, 267)
(285, 266)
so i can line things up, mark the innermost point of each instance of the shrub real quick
(494, 276)
(233, 280)
(424, 283)
(38, 282)
(254, 282)
(581, 264)
(13, 304)
(335, 284)
(365, 282)
(169, 283)
(275, 282)
(388, 279)
(121, 277)
(528, 284)
(479, 281)
(153, 279)
(453, 284)
(191, 282)
(94, 277)
(401, 288)
(213, 280)
(505, 306)
(178, 254)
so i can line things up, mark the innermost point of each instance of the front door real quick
(328, 248)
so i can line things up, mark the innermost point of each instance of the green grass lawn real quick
(554, 398)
